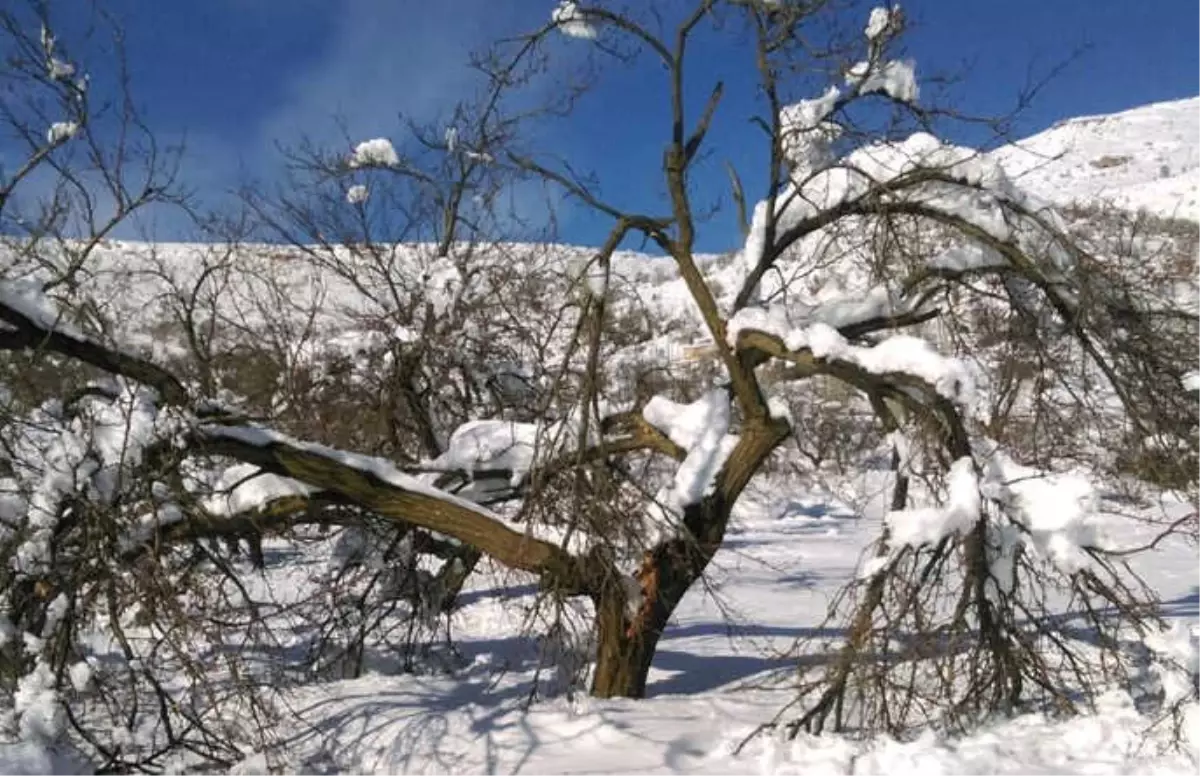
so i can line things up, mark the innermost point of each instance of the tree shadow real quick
(502, 593)
(793, 517)
(793, 509)
(803, 580)
(692, 674)
(697, 674)
(286, 555)
(413, 723)
(747, 630)
(1185, 606)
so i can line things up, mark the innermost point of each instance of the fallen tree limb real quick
(390, 494)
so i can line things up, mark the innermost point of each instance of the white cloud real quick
(383, 60)
(376, 63)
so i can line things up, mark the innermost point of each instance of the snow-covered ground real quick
(720, 671)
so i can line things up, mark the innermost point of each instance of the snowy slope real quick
(1147, 157)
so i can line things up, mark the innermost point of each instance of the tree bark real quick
(623, 651)
(627, 639)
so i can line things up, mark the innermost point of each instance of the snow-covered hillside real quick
(1144, 158)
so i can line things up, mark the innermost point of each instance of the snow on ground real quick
(771, 583)
(1147, 157)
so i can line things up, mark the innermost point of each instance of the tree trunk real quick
(627, 639)
(623, 650)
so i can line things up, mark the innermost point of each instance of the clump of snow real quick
(1191, 381)
(815, 327)
(897, 354)
(803, 115)
(756, 240)
(878, 301)
(253, 763)
(807, 138)
(121, 429)
(682, 423)
(491, 444)
(772, 319)
(810, 151)
(822, 339)
(966, 257)
(27, 298)
(702, 429)
(779, 408)
(885, 162)
(60, 131)
(896, 78)
(80, 675)
(58, 70)
(1057, 511)
(65, 465)
(40, 718)
(929, 525)
(1178, 646)
(479, 156)
(571, 22)
(88, 453)
(243, 487)
(378, 152)
(357, 194)
(873, 565)
(837, 310)
(451, 138)
(879, 21)
(55, 613)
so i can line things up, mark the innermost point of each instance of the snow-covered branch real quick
(906, 371)
(368, 482)
(385, 490)
(34, 323)
(920, 176)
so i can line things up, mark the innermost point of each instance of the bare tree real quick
(995, 244)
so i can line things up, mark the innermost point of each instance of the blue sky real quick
(239, 76)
